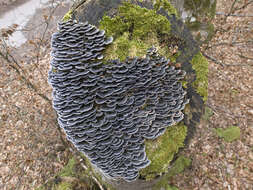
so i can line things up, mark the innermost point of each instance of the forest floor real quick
(31, 150)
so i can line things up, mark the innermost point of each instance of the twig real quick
(223, 64)
(244, 6)
(228, 44)
(97, 182)
(64, 142)
(240, 65)
(24, 78)
(78, 4)
(235, 15)
(232, 7)
(234, 43)
(214, 111)
(94, 178)
(231, 11)
(8, 55)
(42, 39)
(214, 107)
(79, 156)
(213, 59)
(242, 56)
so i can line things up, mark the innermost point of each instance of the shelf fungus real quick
(107, 110)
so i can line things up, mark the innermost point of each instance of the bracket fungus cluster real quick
(107, 110)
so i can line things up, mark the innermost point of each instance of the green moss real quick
(162, 150)
(172, 188)
(91, 172)
(184, 84)
(122, 48)
(213, 9)
(41, 188)
(230, 134)
(64, 186)
(165, 4)
(178, 167)
(207, 27)
(201, 7)
(139, 21)
(200, 65)
(73, 176)
(67, 16)
(195, 26)
(173, 57)
(210, 30)
(208, 113)
(68, 170)
(135, 29)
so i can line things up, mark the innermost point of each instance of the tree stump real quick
(137, 26)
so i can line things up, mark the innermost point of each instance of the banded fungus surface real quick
(108, 110)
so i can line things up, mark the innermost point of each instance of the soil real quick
(31, 150)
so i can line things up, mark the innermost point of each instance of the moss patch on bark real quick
(200, 65)
(178, 167)
(162, 150)
(135, 29)
(165, 4)
(73, 176)
(67, 16)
